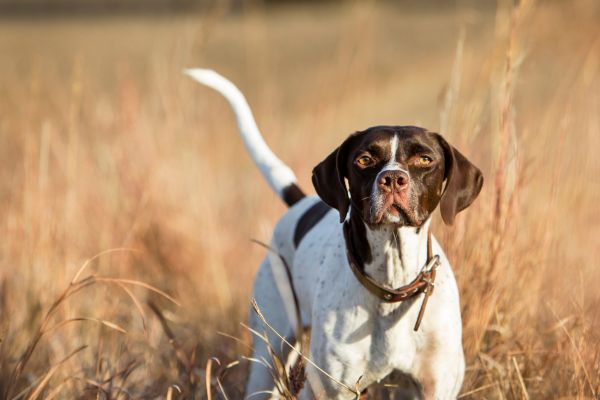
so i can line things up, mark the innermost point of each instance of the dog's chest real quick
(366, 337)
(392, 342)
(362, 332)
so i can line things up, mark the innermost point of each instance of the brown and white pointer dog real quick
(370, 223)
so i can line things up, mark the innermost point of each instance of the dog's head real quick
(397, 175)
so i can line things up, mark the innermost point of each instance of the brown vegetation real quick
(109, 154)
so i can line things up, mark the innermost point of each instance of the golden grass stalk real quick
(279, 364)
(75, 286)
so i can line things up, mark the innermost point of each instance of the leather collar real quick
(423, 283)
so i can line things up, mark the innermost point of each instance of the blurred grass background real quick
(105, 145)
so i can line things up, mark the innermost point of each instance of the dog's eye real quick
(364, 161)
(423, 161)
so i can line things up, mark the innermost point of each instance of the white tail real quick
(279, 176)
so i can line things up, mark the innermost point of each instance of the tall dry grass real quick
(109, 154)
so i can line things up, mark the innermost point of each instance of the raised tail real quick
(279, 176)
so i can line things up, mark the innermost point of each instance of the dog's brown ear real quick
(463, 183)
(328, 178)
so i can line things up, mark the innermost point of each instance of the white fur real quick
(277, 174)
(392, 164)
(353, 334)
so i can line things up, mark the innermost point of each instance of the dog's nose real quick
(396, 180)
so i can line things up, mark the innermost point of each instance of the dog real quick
(371, 283)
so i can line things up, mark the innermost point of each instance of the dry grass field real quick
(112, 161)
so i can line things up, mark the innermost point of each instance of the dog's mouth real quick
(398, 214)
(392, 210)
(395, 209)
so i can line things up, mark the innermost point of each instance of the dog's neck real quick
(392, 256)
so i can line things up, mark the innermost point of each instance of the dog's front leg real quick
(337, 374)
(260, 381)
(441, 370)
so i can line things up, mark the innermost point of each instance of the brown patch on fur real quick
(396, 386)
(356, 240)
(292, 194)
(309, 219)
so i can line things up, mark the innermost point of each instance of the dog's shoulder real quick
(298, 223)
(286, 226)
